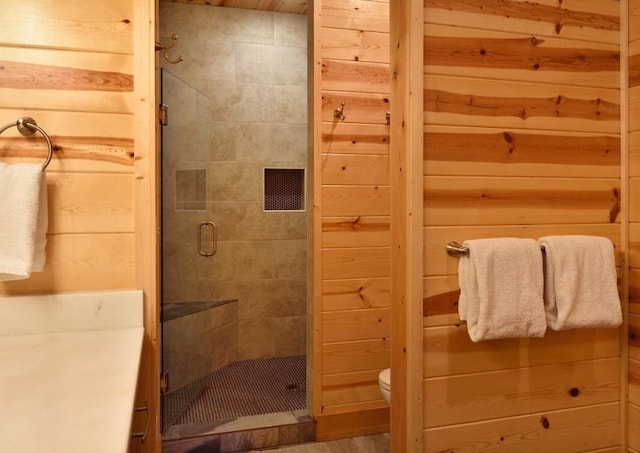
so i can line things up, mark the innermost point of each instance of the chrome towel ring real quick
(27, 126)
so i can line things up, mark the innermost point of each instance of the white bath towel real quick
(23, 220)
(580, 282)
(501, 289)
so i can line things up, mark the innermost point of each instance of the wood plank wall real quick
(522, 138)
(634, 225)
(353, 315)
(70, 65)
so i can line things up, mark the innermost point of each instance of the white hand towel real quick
(23, 228)
(580, 282)
(501, 289)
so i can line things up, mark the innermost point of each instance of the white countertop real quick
(68, 385)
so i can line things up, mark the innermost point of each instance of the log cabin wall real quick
(521, 138)
(352, 315)
(70, 65)
(633, 99)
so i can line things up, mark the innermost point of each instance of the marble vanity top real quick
(68, 371)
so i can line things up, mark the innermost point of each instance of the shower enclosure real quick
(234, 221)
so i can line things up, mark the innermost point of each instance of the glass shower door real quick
(187, 243)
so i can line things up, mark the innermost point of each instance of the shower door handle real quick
(214, 239)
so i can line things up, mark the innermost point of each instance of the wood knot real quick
(544, 422)
(574, 392)
(507, 137)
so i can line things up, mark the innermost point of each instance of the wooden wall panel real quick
(341, 169)
(459, 101)
(634, 154)
(356, 325)
(353, 356)
(355, 45)
(67, 123)
(356, 76)
(352, 246)
(73, 154)
(480, 53)
(451, 352)
(367, 108)
(505, 393)
(78, 24)
(81, 262)
(634, 426)
(634, 107)
(455, 150)
(633, 62)
(589, 20)
(90, 203)
(568, 430)
(522, 118)
(348, 138)
(355, 200)
(634, 382)
(357, 231)
(71, 69)
(343, 389)
(513, 201)
(363, 15)
(634, 285)
(349, 294)
(349, 263)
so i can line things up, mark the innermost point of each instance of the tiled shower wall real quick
(243, 84)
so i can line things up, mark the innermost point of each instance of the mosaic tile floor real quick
(244, 388)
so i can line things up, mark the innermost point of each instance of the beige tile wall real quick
(199, 343)
(240, 106)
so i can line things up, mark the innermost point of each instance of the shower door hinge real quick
(164, 382)
(163, 114)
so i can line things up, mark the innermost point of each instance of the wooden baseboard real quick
(361, 423)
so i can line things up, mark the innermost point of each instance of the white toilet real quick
(384, 380)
